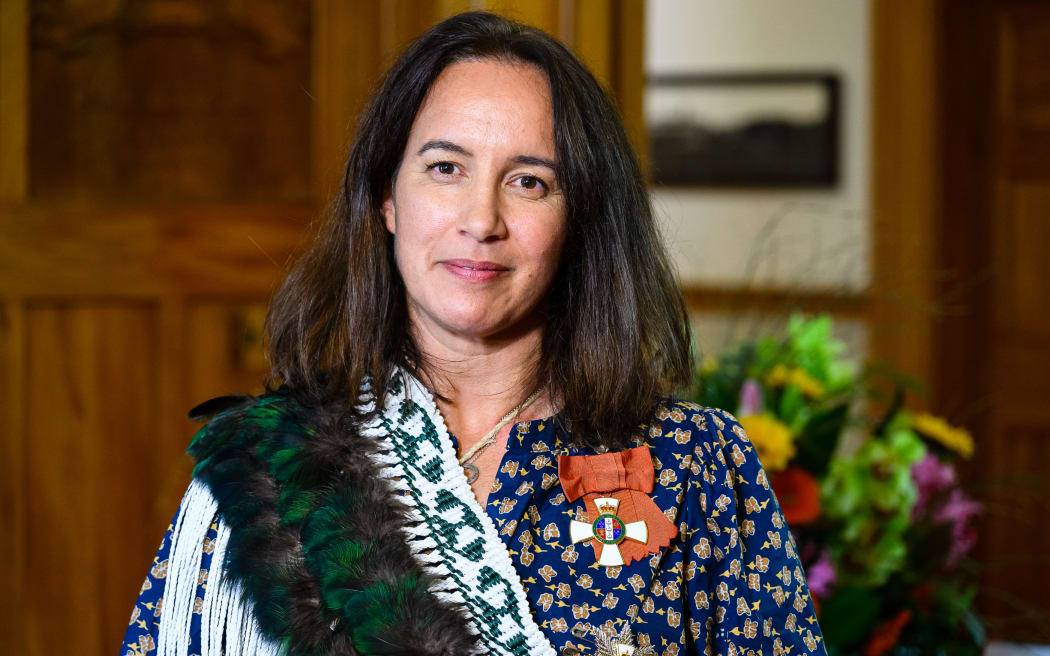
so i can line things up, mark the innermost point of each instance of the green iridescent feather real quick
(316, 537)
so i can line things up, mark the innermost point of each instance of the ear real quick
(388, 211)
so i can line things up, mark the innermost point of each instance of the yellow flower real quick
(772, 439)
(938, 430)
(808, 385)
(709, 364)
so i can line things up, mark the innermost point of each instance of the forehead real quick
(487, 99)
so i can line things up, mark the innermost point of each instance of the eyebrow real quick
(535, 161)
(442, 144)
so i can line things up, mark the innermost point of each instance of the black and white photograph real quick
(744, 129)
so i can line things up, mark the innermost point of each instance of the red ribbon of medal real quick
(624, 523)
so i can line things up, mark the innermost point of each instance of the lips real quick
(474, 270)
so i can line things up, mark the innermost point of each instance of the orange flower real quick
(887, 634)
(798, 494)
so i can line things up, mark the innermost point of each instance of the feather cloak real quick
(317, 541)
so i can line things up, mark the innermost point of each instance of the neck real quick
(481, 378)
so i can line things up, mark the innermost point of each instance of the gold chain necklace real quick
(469, 468)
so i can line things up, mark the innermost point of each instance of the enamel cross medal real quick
(623, 524)
(609, 530)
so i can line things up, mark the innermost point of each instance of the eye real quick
(443, 167)
(533, 184)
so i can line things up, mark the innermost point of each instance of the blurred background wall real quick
(161, 160)
(796, 240)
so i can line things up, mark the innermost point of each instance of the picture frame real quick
(744, 129)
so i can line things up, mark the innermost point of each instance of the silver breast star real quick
(619, 645)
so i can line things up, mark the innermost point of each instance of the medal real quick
(609, 530)
(620, 645)
(623, 523)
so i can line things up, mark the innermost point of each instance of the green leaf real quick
(791, 405)
(974, 625)
(849, 616)
(819, 439)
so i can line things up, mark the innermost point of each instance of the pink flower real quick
(750, 398)
(942, 502)
(959, 508)
(931, 479)
(821, 575)
(958, 511)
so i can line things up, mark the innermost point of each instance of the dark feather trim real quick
(201, 411)
(317, 537)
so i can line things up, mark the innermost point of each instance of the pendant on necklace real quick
(471, 472)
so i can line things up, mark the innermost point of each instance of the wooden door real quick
(962, 202)
(1017, 535)
(160, 162)
(992, 343)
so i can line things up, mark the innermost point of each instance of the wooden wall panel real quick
(91, 414)
(1024, 101)
(173, 427)
(628, 70)
(1013, 536)
(345, 57)
(12, 472)
(110, 354)
(1023, 295)
(991, 343)
(1019, 353)
(14, 78)
(404, 20)
(115, 115)
(905, 170)
(544, 14)
(225, 348)
(964, 261)
(148, 250)
(593, 22)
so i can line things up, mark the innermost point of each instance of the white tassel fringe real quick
(228, 625)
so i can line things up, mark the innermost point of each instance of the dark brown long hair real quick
(616, 336)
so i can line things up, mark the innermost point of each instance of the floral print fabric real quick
(730, 583)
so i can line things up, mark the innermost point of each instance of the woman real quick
(491, 257)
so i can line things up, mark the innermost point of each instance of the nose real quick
(481, 217)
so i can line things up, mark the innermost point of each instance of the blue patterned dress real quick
(730, 583)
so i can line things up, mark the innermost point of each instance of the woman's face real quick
(477, 215)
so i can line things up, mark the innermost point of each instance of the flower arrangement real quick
(873, 502)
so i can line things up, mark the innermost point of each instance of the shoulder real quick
(683, 422)
(714, 440)
(271, 440)
(242, 421)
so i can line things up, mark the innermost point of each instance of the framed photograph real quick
(744, 129)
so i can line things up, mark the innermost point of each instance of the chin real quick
(473, 324)
(468, 326)
(474, 320)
